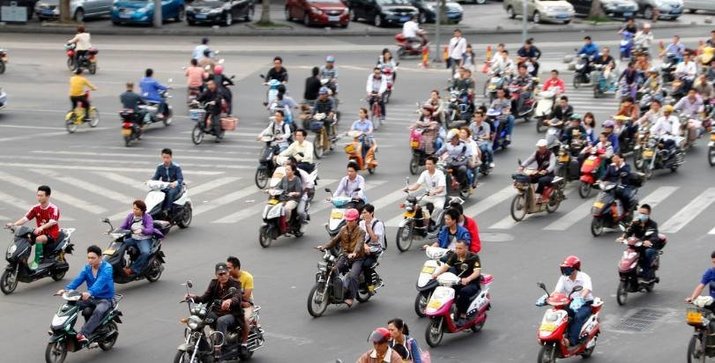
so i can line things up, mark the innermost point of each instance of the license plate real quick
(647, 153)
(334, 19)
(598, 205)
(200, 16)
(627, 15)
(428, 269)
(273, 202)
(46, 12)
(125, 16)
(405, 18)
(547, 327)
(338, 214)
(562, 16)
(126, 132)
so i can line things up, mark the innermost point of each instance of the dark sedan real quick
(382, 12)
(454, 11)
(219, 11)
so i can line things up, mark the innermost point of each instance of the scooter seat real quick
(161, 224)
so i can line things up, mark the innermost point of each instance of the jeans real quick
(460, 172)
(366, 270)
(509, 124)
(224, 323)
(171, 196)
(465, 294)
(216, 124)
(578, 317)
(626, 194)
(647, 261)
(101, 307)
(487, 152)
(543, 181)
(351, 282)
(144, 247)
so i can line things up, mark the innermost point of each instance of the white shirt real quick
(378, 227)
(664, 126)
(688, 69)
(199, 51)
(457, 47)
(566, 285)
(306, 148)
(372, 86)
(433, 181)
(410, 29)
(501, 65)
(82, 41)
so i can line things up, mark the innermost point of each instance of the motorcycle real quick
(656, 156)
(554, 324)
(608, 211)
(354, 152)
(582, 76)
(340, 205)
(324, 139)
(412, 223)
(460, 109)
(626, 45)
(453, 184)
(88, 62)
(602, 86)
(114, 254)
(131, 129)
(667, 68)
(545, 106)
(700, 317)
(3, 99)
(527, 108)
(201, 115)
(80, 115)
(408, 48)
(3, 60)
(497, 122)
(151, 110)
(328, 288)
(54, 264)
(266, 165)
(589, 172)
(525, 201)
(181, 210)
(628, 270)
(201, 346)
(275, 223)
(417, 145)
(496, 80)
(441, 308)
(425, 283)
(711, 149)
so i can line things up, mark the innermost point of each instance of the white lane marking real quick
(60, 196)
(32, 127)
(123, 180)
(317, 207)
(712, 231)
(506, 223)
(32, 136)
(104, 168)
(659, 195)
(489, 202)
(211, 185)
(225, 199)
(689, 212)
(88, 186)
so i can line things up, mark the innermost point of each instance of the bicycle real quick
(78, 116)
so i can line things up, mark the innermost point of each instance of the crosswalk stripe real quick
(121, 179)
(571, 218)
(89, 186)
(129, 155)
(506, 223)
(211, 185)
(226, 199)
(658, 195)
(60, 196)
(15, 202)
(712, 231)
(689, 212)
(369, 184)
(489, 202)
(107, 168)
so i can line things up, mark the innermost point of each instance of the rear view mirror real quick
(327, 190)
(105, 220)
(541, 285)
(189, 284)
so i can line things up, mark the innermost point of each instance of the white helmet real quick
(452, 134)
(541, 143)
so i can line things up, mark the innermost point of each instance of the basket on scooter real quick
(316, 126)
(196, 114)
(415, 140)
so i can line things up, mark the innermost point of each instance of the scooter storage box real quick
(316, 126)
(229, 123)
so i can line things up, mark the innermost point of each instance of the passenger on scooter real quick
(308, 189)
(98, 275)
(675, 47)
(285, 103)
(279, 129)
(629, 26)
(608, 127)
(652, 84)
(563, 111)
(502, 65)
(151, 89)
(545, 165)
(704, 88)
(199, 50)
(620, 173)
(233, 265)
(170, 172)
(475, 160)
(470, 224)
(554, 81)
(708, 279)
(580, 308)
(451, 232)
(348, 187)
(481, 133)
(292, 187)
(467, 266)
(195, 77)
(364, 126)
(430, 126)
(644, 38)
(457, 155)
(387, 60)
(531, 54)
(464, 83)
(525, 82)
(608, 68)
(131, 101)
(375, 243)
(574, 134)
(351, 241)
(375, 87)
(46, 216)
(213, 94)
(142, 226)
(667, 128)
(277, 72)
(434, 183)
(638, 228)
(302, 150)
(438, 110)
(503, 105)
(649, 118)
(207, 62)
(312, 87)
(589, 123)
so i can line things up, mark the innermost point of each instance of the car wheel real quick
(79, 15)
(287, 14)
(353, 15)
(648, 12)
(190, 22)
(536, 18)
(181, 15)
(480, 2)
(250, 13)
(377, 21)
(306, 20)
(228, 19)
(423, 18)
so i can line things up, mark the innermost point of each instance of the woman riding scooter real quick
(364, 126)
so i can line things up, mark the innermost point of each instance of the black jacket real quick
(215, 292)
(208, 96)
(638, 230)
(312, 88)
(620, 176)
(562, 115)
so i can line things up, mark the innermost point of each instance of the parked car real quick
(695, 5)
(382, 12)
(541, 10)
(80, 9)
(667, 9)
(3, 99)
(612, 8)
(142, 11)
(219, 11)
(454, 13)
(318, 12)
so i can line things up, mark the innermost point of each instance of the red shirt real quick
(471, 225)
(555, 83)
(44, 215)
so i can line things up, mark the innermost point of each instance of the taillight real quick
(127, 125)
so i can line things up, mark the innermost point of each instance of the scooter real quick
(441, 308)
(589, 172)
(130, 126)
(354, 151)
(497, 122)
(545, 106)
(412, 223)
(181, 210)
(700, 317)
(667, 68)
(582, 76)
(88, 62)
(607, 210)
(496, 81)
(554, 324)
(656, 156)
(151, 110)
(602, 86)
(711, 148)
(324, 139)
(389, 73)
(63, 334)
(626, 45)
(460, 109)
(3, 60)
(419, 153)
(425, 283)
(525, 201)
(567, 160)
(266, 164)
(340, 205)
(454, 187)
(275, 223)
(201, 115)
(628, 270)
(408, 48)
(114, 254)
(527, 108)
(53, 265)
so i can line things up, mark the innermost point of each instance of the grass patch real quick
(598, 19)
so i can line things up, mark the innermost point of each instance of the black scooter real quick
(53, 265)
(114, 254)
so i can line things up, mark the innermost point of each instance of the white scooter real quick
(310, 180)
(544, 106)
(340, 205)
(425, 283)
(181, 211)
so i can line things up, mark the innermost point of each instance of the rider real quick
(302, 150)
(46, 217)
(667, 127)
(630, 79)
(620, 173)
(207, 62)
(429, 125)
(525, 82)
(278, 72)
(151, 89)
(375, 243)
(457, 154)
(555, 81)
(331, 73)
(609, 66)
(382, 352)
(530, 53)
(82, 44)
(223, 82)
(563, 111)
(78, 84)
(589, 48)
(503, 104)
(708, 279)
(467, 266)
(326, 105)
(351, 240)
(470, 224)
(233, 265)
(603, 149)
(292, 187)
(451, 232)
(200, 49)
(638, 228)
(481, 133)
(170, 172)
(691, 105)
(131, 101)
(502, 64)
(213, 94)
(435, 185)
(349, 184)
(365, 127)
(312, 86)
(644, 38)
(412, 32)
(608, 127)
(141, 224)
(279, 129)
(676, 48)
(375, 87)
(545, 164)
(574, 132)
(649, 118)
(97, 273)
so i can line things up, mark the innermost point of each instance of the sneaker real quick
(81, 338)
(33, 265)
(491, 165)
(508, 138)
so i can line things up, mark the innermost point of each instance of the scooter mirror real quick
(220, 61)
(541, 285)
(262, 76)
(189, 284)
(357, 190)
(518, 161)
(327, 190)
(105, 220)
(407, 180)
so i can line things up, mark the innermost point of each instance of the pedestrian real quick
(381, 351)
(468, 59)
(401, 342)
(457, 48)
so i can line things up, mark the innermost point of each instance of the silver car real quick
(80, 9)
(3, 99)
(695, 5)
(667, 9)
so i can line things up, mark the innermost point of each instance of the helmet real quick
(668, 108)
(576, 117)
(570, 264)
(608, 123)
(379, 335)
(541, 143)
(452, 134)
(218, 70)
(330, 59)
(324, 91)
(351, 215)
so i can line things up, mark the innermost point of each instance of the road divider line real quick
(658, 195)
(58, 195)
(689, 212)
(103, 168)
(124, 156)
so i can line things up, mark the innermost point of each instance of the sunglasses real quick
(222, 274)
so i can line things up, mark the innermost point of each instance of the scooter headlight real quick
(11, 250)
(194, 322)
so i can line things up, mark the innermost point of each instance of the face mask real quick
(643, 217)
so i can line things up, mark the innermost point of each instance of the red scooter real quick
(554, 325)
(389, 73)
(441, 307)
(409, 48)
(589, 172)
(630, 272)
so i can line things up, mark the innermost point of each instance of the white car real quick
(695, 5)
(80, 9)
(3, 99)
(667, 9)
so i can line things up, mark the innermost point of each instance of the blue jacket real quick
(590, 49)
(100, 287)
(620, 176)
(170, 174)
(462, 234)
(614, 142)
(150, 89)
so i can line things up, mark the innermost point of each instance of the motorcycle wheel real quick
(92, 68)
(108, 343)
(553, 204)
(56, 352)
(622, 293)
(695, 355)
(70, 64)
(638, 160)
(261, 178)
(386, 97)
(584, 190)
(2, 67)
(93, 117)
(8, 282)
(540, 127)
(185, 357)
(318, 149)
(57, 276)
(197, 134)
(404, 237)
(154, 272)
(319, 308)
(263, 238)
(577, 81)
(547, 354)
(169, 117)
(477, 328)
(421, 304)
(375, 121)
(518, 207)
(414, 165)
(127, 141)
(362, 296)
(434, 332)
(711, 156)
(187, 217)
(596, 227)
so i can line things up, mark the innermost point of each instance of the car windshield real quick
(393, 2)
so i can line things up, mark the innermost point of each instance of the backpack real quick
(424, 355)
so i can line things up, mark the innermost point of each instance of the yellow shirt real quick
(78, 84)
(246, 280)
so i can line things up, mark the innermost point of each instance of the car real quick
(455, 12)
(695, 5)
(80, 9)
(142, 11)
(667, 9)
(382, 12)
(612, 8)
(541, 10)
(3, 99)
(318, 12)
(219, 11)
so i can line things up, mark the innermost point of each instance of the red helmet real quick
(218, 70)
(352, 214)
(571, 262)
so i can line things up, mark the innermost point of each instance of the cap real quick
(608, 123)
(324, 91)
(330, 59)
(668, 108)
(379, 335)
(221, 267)
(541, 143)
(351, 215)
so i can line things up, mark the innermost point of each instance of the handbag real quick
(424, 354)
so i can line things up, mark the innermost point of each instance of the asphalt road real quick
(94, 175)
